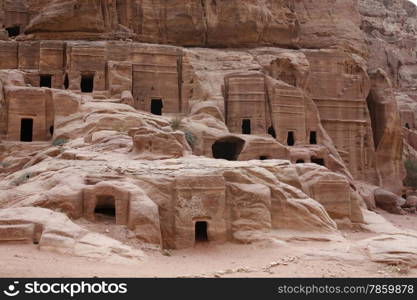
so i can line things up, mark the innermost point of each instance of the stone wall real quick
(30, 104)
(339, 86)
(246, 101)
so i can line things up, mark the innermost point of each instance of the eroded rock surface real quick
(192, 121)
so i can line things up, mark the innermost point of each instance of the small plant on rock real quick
(122, 127)
(411, 168)
(22, 179)
(5, 164)
(191, 138)
(59, 142)
(176, 123)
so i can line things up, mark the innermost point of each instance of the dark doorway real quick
(290, 138)
(51, 130)
(201, 232)
(246, 126)
(26, 130)
(407, 125)
(156, 107)
(227, 148)
(13, 31)
(87, 83)
(378, 116)
(263, 157)
(271, 132)
(45, 81)
(313, 138)
(300, 161)
(66, 82)
(318, 161)
(106, 207)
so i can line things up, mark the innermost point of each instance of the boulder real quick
(397, 249)
(389, 201)
(410, 202)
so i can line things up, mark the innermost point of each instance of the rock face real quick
(277, 118)
(210, 23)
(390, 28)
(55, 232)
(387, 132)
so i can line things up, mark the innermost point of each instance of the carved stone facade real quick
(30, 114)
(339, 87)
(201, 202)
(288, 115)
(157, 80)
(246, 103)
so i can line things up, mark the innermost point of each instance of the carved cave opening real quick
(201, 231)
(290, 138)
(66, 82)
(87, 83)
(45, 81)
(13, 31)
(246, 126)
(26, 130)
(318, 161)
(313, 138)
(271, 132)
(263, 157)
(376, 112)
(156, 106)
(106, 207)
(407, 125)
(300, 161)
(228, 148)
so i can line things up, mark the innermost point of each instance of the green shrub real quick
(411, 168)
(5, 164)
(59, 142)
(121, 128)
(191, 138)
(176, 123)
(22, 179)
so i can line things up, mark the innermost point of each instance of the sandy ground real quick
(339, 257)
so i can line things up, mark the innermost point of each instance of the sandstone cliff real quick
(246, 117)
(208, 23)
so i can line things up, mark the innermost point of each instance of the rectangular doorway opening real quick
(156, 107)
(201, 231)
(105, 209)
(66, 82)
(313, 138)
(26, 130)
(271, 132)
(45, 81)
(87, 83)
(13, 31)
(246, 126)
(290, 138)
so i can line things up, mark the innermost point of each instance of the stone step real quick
(17, 233)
